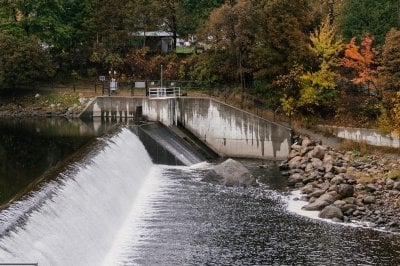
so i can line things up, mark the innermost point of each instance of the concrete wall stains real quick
(233, 132)
(369, 136)
(227, 130)
(119, 108)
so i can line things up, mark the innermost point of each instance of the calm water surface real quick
(31, 147)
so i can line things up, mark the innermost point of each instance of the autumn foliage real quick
(363, 61)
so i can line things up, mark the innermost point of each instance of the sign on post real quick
(140, 84)
(113, 85)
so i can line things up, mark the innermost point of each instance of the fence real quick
(162, 92)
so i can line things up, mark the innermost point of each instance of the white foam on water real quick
(131, 230)
(79, 218)
(295, 206)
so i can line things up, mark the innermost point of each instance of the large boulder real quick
(323, 201)
(346, 190)
(319, 152)
(231, 173)
(331, 212)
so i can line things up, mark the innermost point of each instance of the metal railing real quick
(162, 92)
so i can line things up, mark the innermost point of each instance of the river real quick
(114, 205)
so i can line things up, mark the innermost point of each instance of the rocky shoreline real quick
(344, 186)
(46, 109)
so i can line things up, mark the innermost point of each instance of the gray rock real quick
(324, 200)
(337, 180)
(316, 162)
(293, 153)
(339, 203)
(369, 199)
(307, 189)
(339, 170)
(348, 208)
(345, 190)
(349, 200)
(329, 175)
(309, 167)
(328, 167)
(295, 162)
(396, 185)
(334, 194)
(350, 179)
(294, 179)
(305, 150)
(316, 205)
(331, 212)
(370, 188)
(233, 173)
(319, 152)
(360, 187)
(389, 183)
(328, 158)
(317, 193)
(296, 147)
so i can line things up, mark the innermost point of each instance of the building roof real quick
(153, 33)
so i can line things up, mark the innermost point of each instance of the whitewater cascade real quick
(75, 219)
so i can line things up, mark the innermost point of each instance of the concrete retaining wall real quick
(233, 132)
(369, 136)
(118, 108)
(227, 130)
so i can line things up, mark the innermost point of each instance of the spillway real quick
(74, 219)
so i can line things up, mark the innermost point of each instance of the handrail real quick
(163, 92)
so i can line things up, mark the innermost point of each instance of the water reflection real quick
(31, 147)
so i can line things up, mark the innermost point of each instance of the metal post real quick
(161, 75)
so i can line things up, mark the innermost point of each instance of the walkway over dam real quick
(227, 130)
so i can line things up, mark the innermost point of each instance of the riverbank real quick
(345, 186)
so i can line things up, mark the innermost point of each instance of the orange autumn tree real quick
(363, 61)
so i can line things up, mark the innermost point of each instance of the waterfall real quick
(75, 219)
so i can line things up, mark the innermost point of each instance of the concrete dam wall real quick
(227, 130)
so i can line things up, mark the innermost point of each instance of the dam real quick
(229, 131)
(134, 195)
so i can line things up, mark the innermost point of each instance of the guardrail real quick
(162, 92)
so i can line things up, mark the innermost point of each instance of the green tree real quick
(282, 37)
(109, 33)
(183, 17)
(23, 61)
(10, 18)
(390, 70)
(231, 31)
(369, 16)
(319, 87)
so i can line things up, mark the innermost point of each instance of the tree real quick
(396, 114)
(109, 33)
(231, 32)
(390, 70)
(10, 17)
(363, 61)
(183, 17)
(281, 38)
(327, 8)
(22, 61)
(375, 17)
(319, 87)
